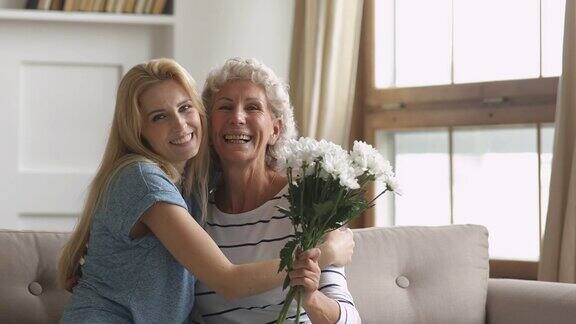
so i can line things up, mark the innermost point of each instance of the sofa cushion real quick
(28, 288)
(420, 274)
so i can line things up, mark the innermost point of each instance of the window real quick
(438, 42)
(460, 96)
(497, 176)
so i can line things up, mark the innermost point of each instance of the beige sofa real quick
(397, 275)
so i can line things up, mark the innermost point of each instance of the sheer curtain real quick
(323, 67)
(558, 255)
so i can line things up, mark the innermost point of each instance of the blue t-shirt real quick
(125, 280)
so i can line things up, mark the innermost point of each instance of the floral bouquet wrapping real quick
(326, 190)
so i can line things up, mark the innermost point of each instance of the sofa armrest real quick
(513, 301)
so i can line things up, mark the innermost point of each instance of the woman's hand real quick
(306, 272)
(338, 248)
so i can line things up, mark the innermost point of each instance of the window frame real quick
(509, 102)
(538, 93)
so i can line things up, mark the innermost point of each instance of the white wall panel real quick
(60, 132)
(51, 193)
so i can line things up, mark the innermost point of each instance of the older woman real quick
(251, 117)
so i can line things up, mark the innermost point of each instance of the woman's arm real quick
(190, 245)
(326, 297)
(320, 309)
(337, 249)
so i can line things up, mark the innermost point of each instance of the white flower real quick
(309, 150)
(367, 159)
(334, 162)
(392, 184)
(347, 178)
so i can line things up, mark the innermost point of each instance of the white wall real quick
(210, 31)
(59, 81)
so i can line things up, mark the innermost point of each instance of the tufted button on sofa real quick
(398, 275)
(28, 289)
(35, 288)
(402, 282)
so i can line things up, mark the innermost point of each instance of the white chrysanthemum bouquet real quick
(326, 189)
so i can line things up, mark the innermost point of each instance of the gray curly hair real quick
(276, 93)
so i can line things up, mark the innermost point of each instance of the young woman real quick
(141, 249)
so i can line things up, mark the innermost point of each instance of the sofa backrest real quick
(420, 274)
(28, 289)
(397, 275)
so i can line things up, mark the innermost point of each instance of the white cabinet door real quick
(57, 93)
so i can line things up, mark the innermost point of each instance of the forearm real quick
(253, 278)
(197, 252)
(322, 309)
(334, 286)
(348, 314)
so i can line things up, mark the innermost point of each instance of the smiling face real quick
(170, 124)
(242, 124)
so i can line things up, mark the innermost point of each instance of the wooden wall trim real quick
(512, 269)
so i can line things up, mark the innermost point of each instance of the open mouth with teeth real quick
(237, 138)
(182, 140)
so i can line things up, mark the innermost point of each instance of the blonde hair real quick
(276, 93)
(126, 145)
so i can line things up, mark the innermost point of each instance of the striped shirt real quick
(259, 235)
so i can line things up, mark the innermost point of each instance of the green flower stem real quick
(287, 301)
(334, 210)
(302, 193)
(380, 194)
(298, 303)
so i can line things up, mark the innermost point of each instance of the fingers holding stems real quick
(306, 272)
